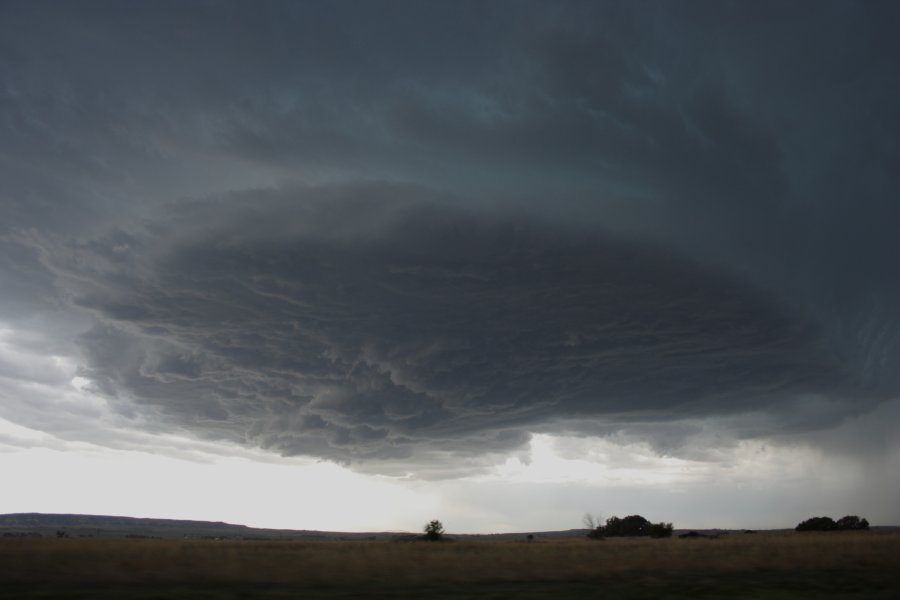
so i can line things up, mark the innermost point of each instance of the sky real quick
(358, 265)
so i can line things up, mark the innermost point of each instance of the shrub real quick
(434, 531)
(595, 529)
(661, 530)
(817, 524)
(852, 522)
(632, 525)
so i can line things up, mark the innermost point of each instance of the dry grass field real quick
(843, 565)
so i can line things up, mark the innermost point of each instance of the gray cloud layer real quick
(365, 322)
(379, 231)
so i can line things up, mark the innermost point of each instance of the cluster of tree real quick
(848, 523)
(633, 525)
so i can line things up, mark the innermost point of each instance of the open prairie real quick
(845, 565)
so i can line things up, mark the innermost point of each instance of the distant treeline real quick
(848, 523)
(630, 526)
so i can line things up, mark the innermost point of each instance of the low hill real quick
(112, 526)
(49, 525)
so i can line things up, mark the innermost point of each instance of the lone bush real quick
(434, 531)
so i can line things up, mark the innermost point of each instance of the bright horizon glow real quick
(287, 493)
(546, 491)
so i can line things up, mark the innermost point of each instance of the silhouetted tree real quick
(817, 524)
(595, 529)
(661, 530)
(434, 531)
(848, 523)
(632, 525)
(851, 522)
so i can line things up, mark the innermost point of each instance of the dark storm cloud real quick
(703, 200)
(366, 321)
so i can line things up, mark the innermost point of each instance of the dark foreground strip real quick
(834, 584)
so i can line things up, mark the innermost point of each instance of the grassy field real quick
(843, 565)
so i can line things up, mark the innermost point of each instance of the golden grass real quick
(280, 562)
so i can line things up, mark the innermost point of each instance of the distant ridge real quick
(115, 526)
(75, 525)
(105, 526)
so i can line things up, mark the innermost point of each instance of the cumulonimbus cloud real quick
(376, 321)
(367, 322)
